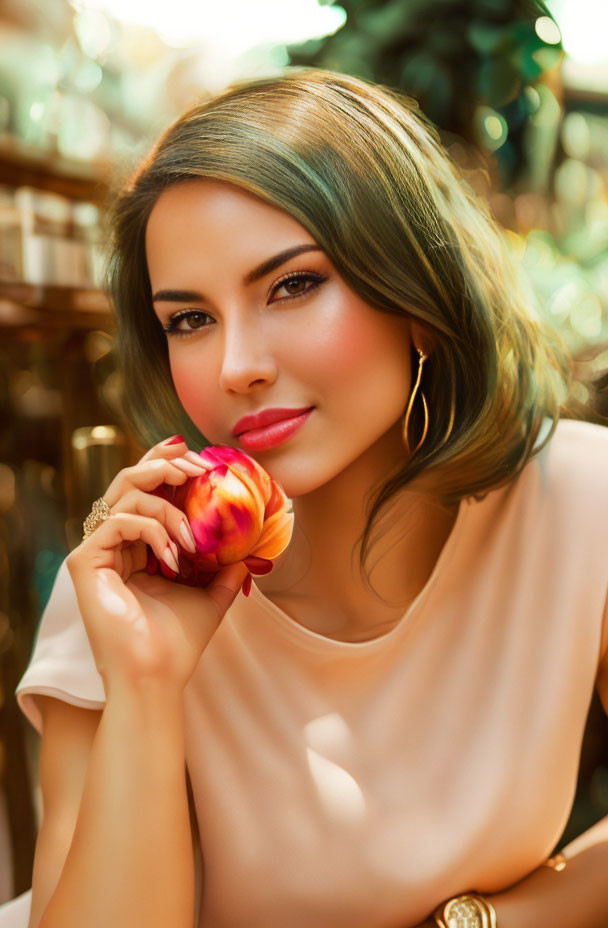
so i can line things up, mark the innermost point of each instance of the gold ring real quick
(98, 514)
(470, 910)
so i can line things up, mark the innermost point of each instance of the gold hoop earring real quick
(421, 359)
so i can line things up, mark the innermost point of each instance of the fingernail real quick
(151, 562)
(170, 559)
(195, 470)
(176, 440)
(247, 585)
(186, 533)
(195, 458)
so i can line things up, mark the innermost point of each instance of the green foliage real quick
(452, 55)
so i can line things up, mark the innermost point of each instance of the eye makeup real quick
(197, 316)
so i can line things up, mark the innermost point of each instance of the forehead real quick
(210, 211)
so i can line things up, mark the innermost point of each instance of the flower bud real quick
(236, 511)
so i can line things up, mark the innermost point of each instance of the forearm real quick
(130, 863)
(576, 897)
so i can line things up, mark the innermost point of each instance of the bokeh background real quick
(519, 92)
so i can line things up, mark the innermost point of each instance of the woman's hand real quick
(141, 626)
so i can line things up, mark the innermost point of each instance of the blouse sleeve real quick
(62, 663)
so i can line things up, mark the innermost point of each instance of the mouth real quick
(265, 417)
(274, 434)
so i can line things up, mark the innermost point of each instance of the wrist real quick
(148, 702)
(515, 907)
(144, 689)
(574, 897)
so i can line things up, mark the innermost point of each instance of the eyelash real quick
(314, 279)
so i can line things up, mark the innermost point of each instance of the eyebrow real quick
(271, 264)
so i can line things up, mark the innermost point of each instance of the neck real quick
(319, 571)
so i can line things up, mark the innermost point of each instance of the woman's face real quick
(292, 335)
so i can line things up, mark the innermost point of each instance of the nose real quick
(247, 359)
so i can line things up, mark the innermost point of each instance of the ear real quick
(422, 336)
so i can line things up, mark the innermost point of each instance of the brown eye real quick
(295, 285)
(195, 320)
(185, 322)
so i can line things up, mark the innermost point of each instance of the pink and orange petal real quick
(237, 512)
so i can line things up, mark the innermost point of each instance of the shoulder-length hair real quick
(361, 168)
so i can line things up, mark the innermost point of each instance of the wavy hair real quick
(362, 169)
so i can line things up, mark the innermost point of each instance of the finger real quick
(191, 464)
(169, 448)
(225, 586)
(135, 557)
(100, 548)
(153, 507)
(150, 475)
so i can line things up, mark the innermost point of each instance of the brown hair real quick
(363, 171)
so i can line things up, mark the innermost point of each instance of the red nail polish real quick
(152, 566)
(166, 571)
(258, 565)
(176, 440)
(247, 585)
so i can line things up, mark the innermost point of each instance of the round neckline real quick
(317, 642)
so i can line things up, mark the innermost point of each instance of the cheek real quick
(335, 346)
(193, 385)
(344, 349)
(364, 348)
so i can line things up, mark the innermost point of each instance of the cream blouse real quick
(358, 784)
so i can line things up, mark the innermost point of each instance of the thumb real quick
(226, 584)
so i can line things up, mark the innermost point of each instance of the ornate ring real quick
(98, 514)
(469, 910)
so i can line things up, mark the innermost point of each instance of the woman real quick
(393, 717)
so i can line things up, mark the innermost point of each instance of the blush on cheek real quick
(350, 345)
(365, 355)
(352, 349)
(194, 394)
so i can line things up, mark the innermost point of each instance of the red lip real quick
(266, 417)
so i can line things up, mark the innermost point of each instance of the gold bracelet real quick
(467, 911)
